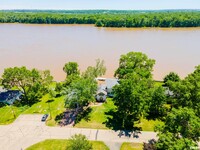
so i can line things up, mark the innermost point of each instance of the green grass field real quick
(97, 116)
(42, 107)
(62, 144)
(8, 114)
(148, 125)
(131, 146)
(95, 119)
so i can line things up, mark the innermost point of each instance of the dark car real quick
(44, 117)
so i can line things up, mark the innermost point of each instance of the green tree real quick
(181, 130)
(132, 95)
(82, 88)
(79, 142)
(71, 68)
(32, 83)
(134, 62)
(172, 76)
(156, 104)
(72, 71)
(98, 70)
(186, 93)
(131, 98)
(80, 92)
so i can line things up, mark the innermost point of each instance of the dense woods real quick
(103, 18)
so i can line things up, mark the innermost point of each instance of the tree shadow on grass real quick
(73, 116)
(113, 121)
(83, 114)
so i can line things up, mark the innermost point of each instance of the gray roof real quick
(9, 97)
(111, 82)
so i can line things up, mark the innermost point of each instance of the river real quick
(51, 46)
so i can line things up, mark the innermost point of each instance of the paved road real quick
(28, 130)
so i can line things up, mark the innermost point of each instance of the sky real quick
(100, 4)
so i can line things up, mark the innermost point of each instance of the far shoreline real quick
(93, 25)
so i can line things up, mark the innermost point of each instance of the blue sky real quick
(100, 4)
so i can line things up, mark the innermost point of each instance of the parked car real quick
(44, 117)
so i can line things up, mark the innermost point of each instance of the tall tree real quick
(133, 92)
(134, 62)
(156, 104)
(31, 82)
(172, 76)
(181, 130)
(131, 97)
(95, 71)
(186, 93)
(82, 88)
(71, 68)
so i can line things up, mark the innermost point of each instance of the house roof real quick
(10, 96)
(102, 91)
(111, 82)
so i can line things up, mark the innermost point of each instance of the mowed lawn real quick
(56, 107)
(131, 146)
(97, 116)
(8, 114)
(42, 107)
(95, 119)
(148, 125)
(62, 144)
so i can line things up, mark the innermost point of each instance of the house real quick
(101, 94)
(10, 96)
(110, 83)
(105, 88)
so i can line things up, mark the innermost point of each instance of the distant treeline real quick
(102, 18)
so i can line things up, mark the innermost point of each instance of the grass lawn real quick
(94, 119)
(56, 106)
(131, 146)
(97, 116)
(148, 125)
(7, 113)
(158, 83)
(61, 145)
(42, 107)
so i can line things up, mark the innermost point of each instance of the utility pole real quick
(49, 110)
(13, 111)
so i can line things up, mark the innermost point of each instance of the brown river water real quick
(51, 46)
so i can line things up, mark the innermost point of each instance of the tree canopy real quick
(134, 62)
(105, 18)
(186, 93)
(82, 87)
(131, 96)
(79, 142)
(32, 83)
(156, 103)
(71, 68)
(181, 130)
(172, 76)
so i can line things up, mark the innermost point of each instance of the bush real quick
(79, 142)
